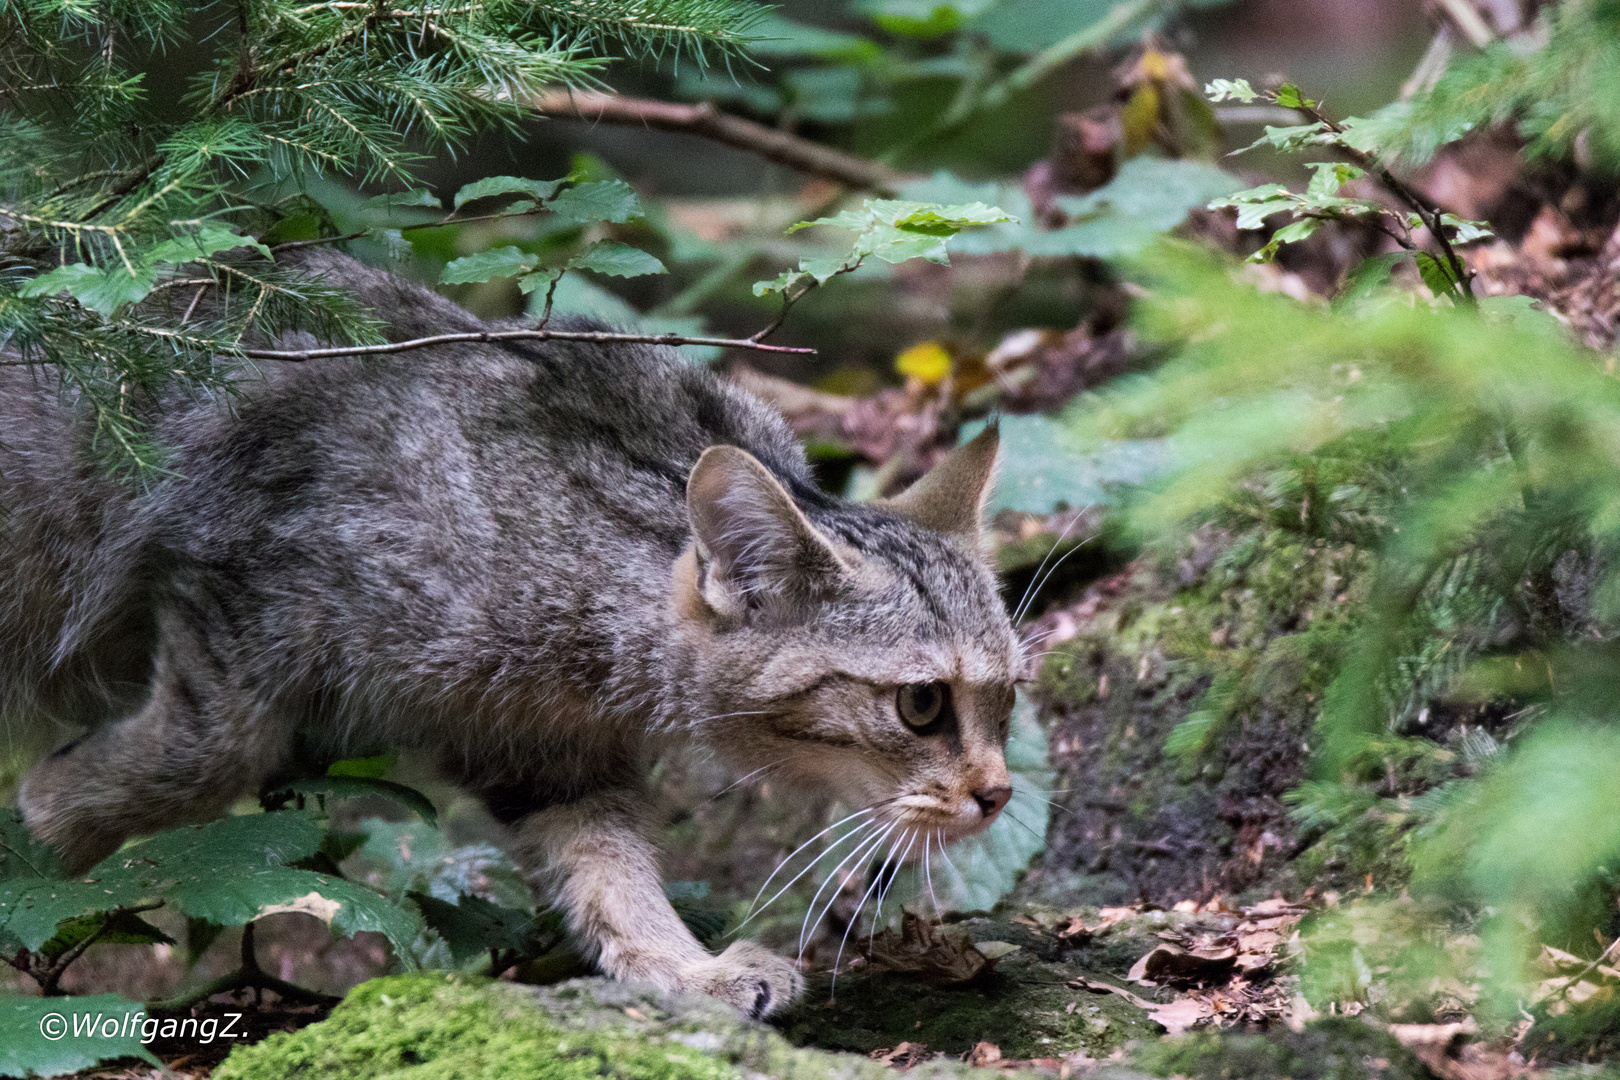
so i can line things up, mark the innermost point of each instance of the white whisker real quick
(745, 778)
(1017, 791)
(1017, 821)
(726, 715)
(755, 909)
(877, 916)
(869, 845)
(1018, 612)
(856, 917)
(950, 862)
(1037, 588)
(928, 873)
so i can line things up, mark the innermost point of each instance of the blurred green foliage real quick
(1471, 456)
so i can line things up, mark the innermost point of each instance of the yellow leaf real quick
(926, 361)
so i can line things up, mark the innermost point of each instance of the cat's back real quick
(451, 480)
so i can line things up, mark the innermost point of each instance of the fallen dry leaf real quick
(1444, 1049)
(938, 958)
(983, 1055)
(903, 1056)
(1168, 964)
(1181, 1014)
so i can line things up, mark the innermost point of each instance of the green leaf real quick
(30, 1044)
(21, 856)
(540, 279)
(600, 200)
(899, 245)
(1231, 90)
(1294, 138)
(1291, 233)
(1435, 274)
(1042, 465)
(209, 239)
(116, 928)
(393, 200)
(777, 36)
(1329, 177)
(1028, 26)
(32, 909)
(1367, 278)
(228, 871)
(293, 227)
(1466, 232)
(1289, 97)
(473, 925)
(931, 219)
(501, 262)
(375, 767)
(538, 190)
(101, 289)
(1149, 196)
(781, 283)
(246, 842)
(357, 787)
(619, 260)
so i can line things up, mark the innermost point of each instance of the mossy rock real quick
(1332, 1049)
(1026, 1006)
(433, 1026)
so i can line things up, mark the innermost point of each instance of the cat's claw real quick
(750, 978)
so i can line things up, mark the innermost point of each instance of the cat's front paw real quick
(749, 977)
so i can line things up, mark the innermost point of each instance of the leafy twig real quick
(1424, 207)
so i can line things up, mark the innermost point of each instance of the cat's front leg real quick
(590, 858)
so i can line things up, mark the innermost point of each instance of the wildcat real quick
(539, 562)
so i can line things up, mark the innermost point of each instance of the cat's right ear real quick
(755, 549)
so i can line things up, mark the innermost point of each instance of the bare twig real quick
(599, 337)
(710, 123)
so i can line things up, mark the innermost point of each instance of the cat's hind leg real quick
(590, 858)
(193, 747)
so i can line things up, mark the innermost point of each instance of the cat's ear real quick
(950, 497)
(755, 548)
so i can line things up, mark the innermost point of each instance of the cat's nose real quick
(991, 800)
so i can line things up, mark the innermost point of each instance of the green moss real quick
(1327, 1050)
(430, 1026)
(449, 1027)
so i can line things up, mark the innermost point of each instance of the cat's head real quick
(858, 649)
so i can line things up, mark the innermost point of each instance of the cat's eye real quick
(921, 704)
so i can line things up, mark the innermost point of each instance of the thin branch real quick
(787, 302)
(710, 123)
(487, 336)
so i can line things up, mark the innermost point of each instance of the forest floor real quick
(1157, 932)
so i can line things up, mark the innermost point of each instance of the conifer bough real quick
(128, 187)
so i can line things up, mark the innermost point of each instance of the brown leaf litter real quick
(1223, 967)
(934, 955)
